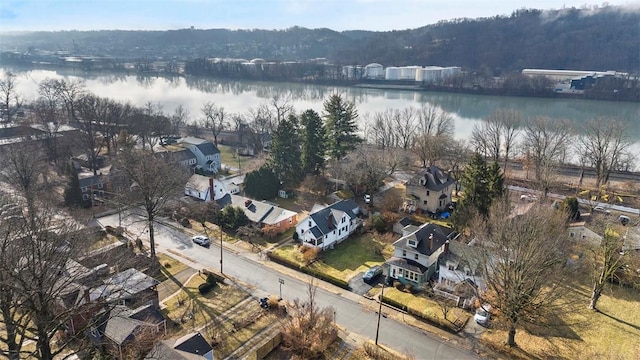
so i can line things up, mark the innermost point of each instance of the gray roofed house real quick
(328, 225)
(460, 270)
(192, 346)
(131, 286)
(429, 191)
(260, 212)
(205, 151)
(416, 253)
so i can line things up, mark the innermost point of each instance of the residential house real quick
(92, 186)
(401, 224)
(192, 346)
(261, 213)
(130, 287)
(120, 327)
(205, 188)
(460, 273)
(429, 191)
(205, 151)
(328, 225)
(416, 253)
(184, 157)
(580, 231)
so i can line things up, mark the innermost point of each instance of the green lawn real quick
(429, 308)
(353, 255)
(228, 156)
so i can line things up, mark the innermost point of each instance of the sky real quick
(376, 15)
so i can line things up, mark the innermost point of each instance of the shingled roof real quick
(422, 237)
(432, 178)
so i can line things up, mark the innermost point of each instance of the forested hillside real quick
(603, 39)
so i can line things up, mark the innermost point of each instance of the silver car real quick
(201, 240)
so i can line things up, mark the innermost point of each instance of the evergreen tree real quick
(340, 126)
(72, 193)
(495, 181)
(262, 183)
(481, 184)
(313, 142)
(285, 151)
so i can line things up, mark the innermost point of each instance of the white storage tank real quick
(392, 73)
(408, 72)
(374, 71)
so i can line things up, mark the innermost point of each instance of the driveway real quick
(358, 286)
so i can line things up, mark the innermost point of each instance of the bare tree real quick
(46, 117)
(308, 330)
(10, 100)
(381, 129)
(93, 110)
(487, 138)
(404, 125)
(435, 121)
(523, 260)
(546, 141)
(154, 182)
(604, 142)
(431, 148)
(607, 259)
(282, 108)
(69, 92)
(509, 121)
(214, 119)
(179, 118)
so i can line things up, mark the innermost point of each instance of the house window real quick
(571, 234)
(334, 232)
(85, 196)
(428, 193)
(99, 185)
(425, 202)
(404, 252)
(343, 220)
(309, 223)
(416, 256)
(451, 267)
(339, 232)
(411, 242)
(84, 189)
(411, 276)
(584, 237)
(467, 272)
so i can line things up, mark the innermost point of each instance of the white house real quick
(205, 188)
(416, 253)
(459, 266)
(326, 226)
(205, 151)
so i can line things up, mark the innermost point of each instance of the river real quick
(240, 96)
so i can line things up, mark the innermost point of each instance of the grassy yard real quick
(191, 310)
(228, 156)
(103, 241)
(430, 308)
(611, 333)
(354, 255)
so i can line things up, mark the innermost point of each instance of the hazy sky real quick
(257, 14)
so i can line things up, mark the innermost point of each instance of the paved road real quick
(349, 313)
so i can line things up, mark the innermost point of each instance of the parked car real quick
(372, 273)
(602, 209)
(483, 315)
(624, 220)
(367, 199)
(201, 240)
(528, 198)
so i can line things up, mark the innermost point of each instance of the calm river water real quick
(240, 96)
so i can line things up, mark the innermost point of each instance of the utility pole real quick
(380, 310)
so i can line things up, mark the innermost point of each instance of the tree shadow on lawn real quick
(551, 325)
(637, 327)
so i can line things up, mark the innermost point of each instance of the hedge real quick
(437, 322)
(307, 270)
(217, 277)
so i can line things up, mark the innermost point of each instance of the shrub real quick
(211, 279)
(185, 223)
(308, 270)
(310, 255)
(216, 278)
(204, 288)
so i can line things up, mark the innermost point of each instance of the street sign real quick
(281, 280)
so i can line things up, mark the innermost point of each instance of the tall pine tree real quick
(313, 142)
(341, 128)
(481, 185)
(285, 151)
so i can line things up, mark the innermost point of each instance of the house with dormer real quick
(205, 151)
(328, 225)
(429, 191)
(460, 274)
(416, 253)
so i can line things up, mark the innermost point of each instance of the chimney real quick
(446, 247)
(431, 241)
(211, 190)
(247, 203)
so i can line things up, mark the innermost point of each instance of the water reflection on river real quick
(240, 96)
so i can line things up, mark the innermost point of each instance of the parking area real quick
(360, 287)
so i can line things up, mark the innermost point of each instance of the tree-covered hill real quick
(603, 39)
